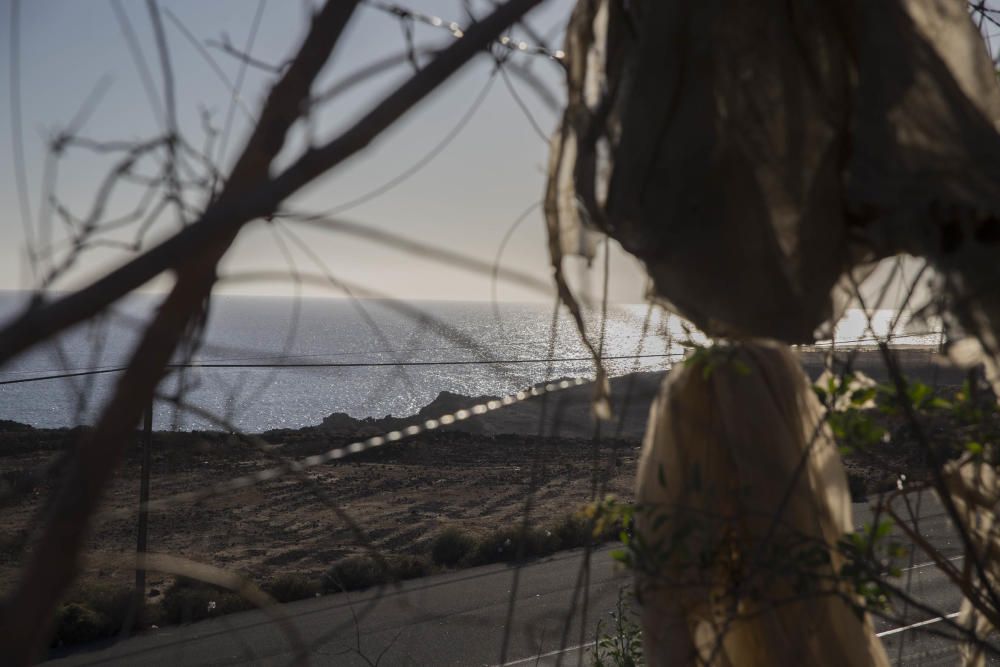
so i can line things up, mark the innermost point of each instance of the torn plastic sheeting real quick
(739, 484)
(754, 156)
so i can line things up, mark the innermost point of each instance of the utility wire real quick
(470, 362)
(824, 345)
(260, 356)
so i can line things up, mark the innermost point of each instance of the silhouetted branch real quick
(224, 45)
(228, 214)
(193, 255)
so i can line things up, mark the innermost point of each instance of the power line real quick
(252, 355)
(61, 376)
(224, 362)
(103, 370)
(468, 362)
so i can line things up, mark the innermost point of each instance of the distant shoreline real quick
(569, 410)
(407, 495)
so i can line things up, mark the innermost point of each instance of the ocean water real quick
(387, 351)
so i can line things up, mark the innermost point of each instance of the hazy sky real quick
(465, 199)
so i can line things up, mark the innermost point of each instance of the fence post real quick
(140, 546)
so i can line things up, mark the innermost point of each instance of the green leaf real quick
(939, 403)
(919, 392)
(883, 529)
(862, 396)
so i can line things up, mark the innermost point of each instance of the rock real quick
(340, 421)
(8, 426)
(448, 402)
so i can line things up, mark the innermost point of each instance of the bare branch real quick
(54, 561)
(193, 253)
(228, 214)
(227, 47)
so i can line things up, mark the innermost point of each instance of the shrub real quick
(507, 544)
(92, 611)
(354, 573)
(291, 587)
(77, 623)
(573, 531)
(498, 546)
(451, 546)
(621, 646)
(411, 567)
(189, 600)
(359, 572)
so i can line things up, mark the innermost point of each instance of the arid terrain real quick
(400, 496)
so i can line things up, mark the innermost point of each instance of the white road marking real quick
(886, 633)
(915, 625)
(534, 658)
(929, 563)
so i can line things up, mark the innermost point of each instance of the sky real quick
(470, 181)
(465, 199)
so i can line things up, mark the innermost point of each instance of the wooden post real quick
(140, 546)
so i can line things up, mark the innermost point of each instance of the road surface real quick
(459, 619)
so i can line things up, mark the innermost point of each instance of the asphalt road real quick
(917, 640)
(454, 619)
(459, 619)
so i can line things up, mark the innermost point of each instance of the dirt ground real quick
(400, 496)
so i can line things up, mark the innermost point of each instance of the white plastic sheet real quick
(756, 156)
(740, 489)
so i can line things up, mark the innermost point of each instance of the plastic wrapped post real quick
(742, 499)
(974, 487)
(756, 155)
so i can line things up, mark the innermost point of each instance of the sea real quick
(281, 362)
